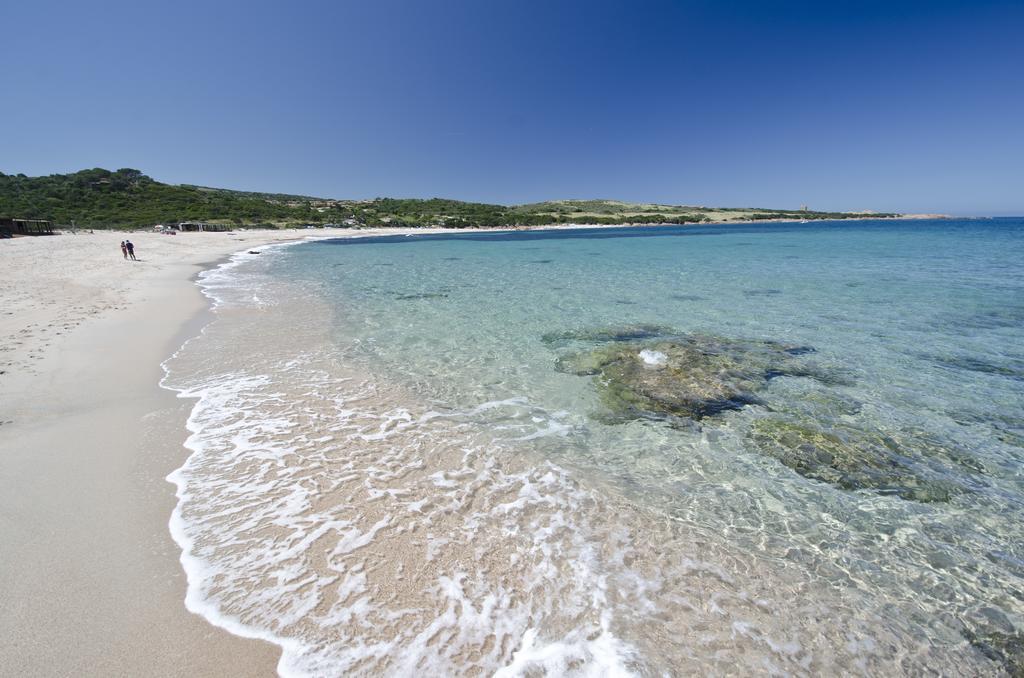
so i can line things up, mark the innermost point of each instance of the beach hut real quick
(201, 226)
(10, 227)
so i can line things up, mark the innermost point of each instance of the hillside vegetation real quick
(127, 198)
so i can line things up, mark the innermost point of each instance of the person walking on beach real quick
(124, 249)
(131, 249)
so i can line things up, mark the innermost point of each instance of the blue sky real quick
(906, 106)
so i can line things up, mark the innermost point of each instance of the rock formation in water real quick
(849, 459)
(1005, 648)
(691, 376)
(651, 372)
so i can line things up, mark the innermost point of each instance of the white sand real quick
(91, 583)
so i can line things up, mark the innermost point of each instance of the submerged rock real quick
(1005, 648)
(848, 459)
(607, 334)
(1014, 369)
(685, 379)
(985, 319)
(1005, 428)
(423, 295)
(689, 376)
(818, 403)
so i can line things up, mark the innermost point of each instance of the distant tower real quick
(803, 208)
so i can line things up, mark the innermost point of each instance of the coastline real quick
(93, 582)
(88, 437)
(93, 579)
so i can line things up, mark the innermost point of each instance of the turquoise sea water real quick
(409, 407)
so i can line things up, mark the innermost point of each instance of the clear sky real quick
(905, 106)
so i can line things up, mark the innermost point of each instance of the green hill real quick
(127, 198)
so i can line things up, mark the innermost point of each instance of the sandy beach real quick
(92, 583)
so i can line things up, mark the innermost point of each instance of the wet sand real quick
(92, 582)
(92, 579)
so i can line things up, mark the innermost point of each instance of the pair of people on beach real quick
(128, 249)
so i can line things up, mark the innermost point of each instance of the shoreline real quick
(400, 230)
(94, 583)
(94, 580)
(192, 602)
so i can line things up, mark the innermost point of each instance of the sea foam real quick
(310, 504)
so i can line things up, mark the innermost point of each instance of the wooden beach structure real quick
(200, 226)
(10, 227)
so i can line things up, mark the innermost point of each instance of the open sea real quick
(788, 449)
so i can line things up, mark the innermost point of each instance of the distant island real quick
(127, 198)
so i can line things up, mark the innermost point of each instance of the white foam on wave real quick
(600, 656)
(291, 511)
(466, 617)
(221, 284)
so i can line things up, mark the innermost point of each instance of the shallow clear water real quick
(390, 472)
